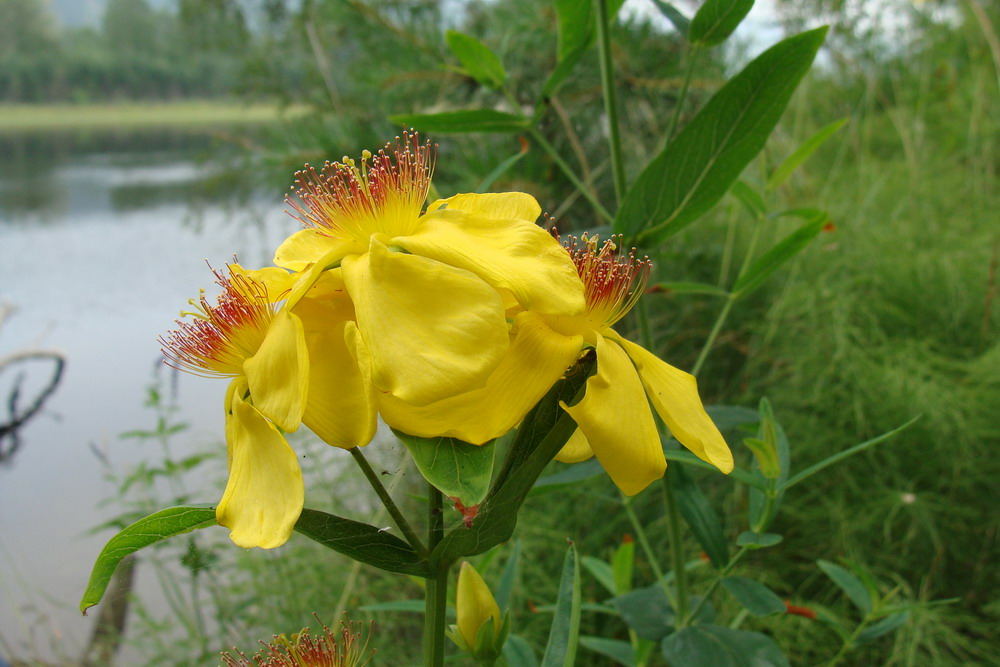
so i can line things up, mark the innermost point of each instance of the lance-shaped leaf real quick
(716, 20)
(675, 16)
(885, 626)
(758, 599)
(696, 169)
(144, 532)
(481, 63)
(699, 516)
(715, 646)
(561, 648)
(852, 586)
(541, 435)
(362, 542)
(787, 248)
(802, 153)
(576, 35)
(647, 611)
(456, 468)
(464, 120)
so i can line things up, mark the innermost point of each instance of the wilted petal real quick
(617, 422)
(537, 358)
(432, 331)
(341, 407)
(674, 394)
(264, 495)
(505, 252)
(278, 374)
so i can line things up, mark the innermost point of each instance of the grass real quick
(31, 117)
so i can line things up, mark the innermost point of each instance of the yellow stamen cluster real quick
(385, 195)
(613, 280)
(303, 650)
(222, 336)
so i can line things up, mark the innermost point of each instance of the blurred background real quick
(143, 139)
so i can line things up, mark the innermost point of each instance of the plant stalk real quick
(676, 537)
(397, 516)
(571, 175)
(610, 102)
(436, 591)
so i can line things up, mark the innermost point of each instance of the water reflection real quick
(103, 239)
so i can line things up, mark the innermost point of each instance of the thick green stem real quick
(571, 175)
(436, 591)
(676, 537)
(397, 516)
(610, 103)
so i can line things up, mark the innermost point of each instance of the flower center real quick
(222, 336)
(613, 280)
(384, 195)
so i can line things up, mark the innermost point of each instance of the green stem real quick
(718, 580)
(683, 96)
(571, 175)
(640, 535)
(397, 516)
(436, 591)
(610, 103)
(676, 537)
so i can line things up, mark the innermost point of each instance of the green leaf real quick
(840, 456)
(699, 516)
(456, 468)
(883, 627)
(715, 646)
(765, 456)
(853, 587)
(697, 168)
(622, 564)
(758, 540)
(481, 63)
(508, 579)
(690, 459)
(716, 20)
(675, 16)
(571, 474)
(602, 572)
(803, 153)
(541, 435)
(646, 611)
(561, 648)
(758, 599)
(576, 36)
(729, 417)
(617, 650)
(760, 511)
(750, 198)
(517, 651)
(691, 288)
(464, 120)
(362, 542)
(144, 532)
(500, 170)
(789, 247)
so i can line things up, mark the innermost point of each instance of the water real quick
(103, 239)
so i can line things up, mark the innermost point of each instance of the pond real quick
(103, 239)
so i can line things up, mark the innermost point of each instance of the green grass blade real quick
(803, 153)
(561, 648)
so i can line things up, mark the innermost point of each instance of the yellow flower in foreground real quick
(425, 286)
(474, 607)
(614, 419)
(246, 337)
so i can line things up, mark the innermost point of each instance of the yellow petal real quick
(474, 604)
(307, 246)
(537, 358)
(278, 374)
(277, 281)
(507, 253)
(341, 407)
(264, 495)
(497, 205)
(576, 449)
(432, 331)
(617, 422)
(674, 394)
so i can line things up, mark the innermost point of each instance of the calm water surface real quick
(103, 239)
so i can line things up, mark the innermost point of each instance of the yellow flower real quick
(474, 607)
(426, 288)
(247, 337)
(613, 418)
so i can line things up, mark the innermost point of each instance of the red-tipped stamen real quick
(222, 336)
(613, 280)
(303, 650)
(385, 195)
